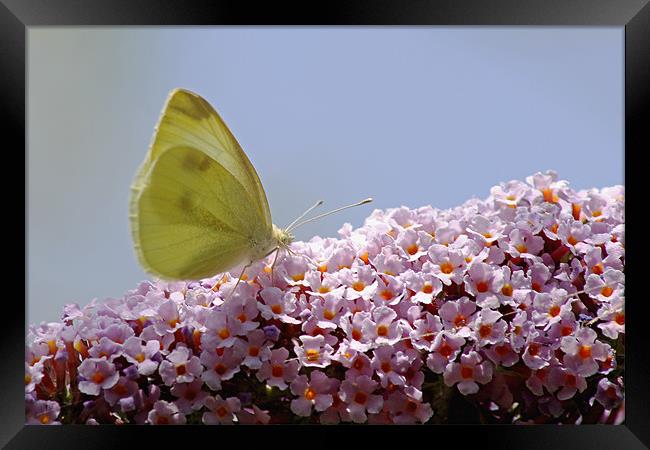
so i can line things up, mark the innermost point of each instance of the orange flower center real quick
(385, 366)
(575, 210)
(585, 351)
(446, 268)
(382, 330)
(221, 411)
(386, 294)
(501, 350)
(358, 286)
(427, 288)
(412, 249)
(485, 330)
(598, 269)
(620, 319)
(312, 355)
(364, 257)
(277, 371)
(310, 394)
(521, 248)
(360, 397)
(224, 333)
(554, 310)
(356, 334)
(533, 349)
(507, 290)
(44, 419)
(98, 378)
(606, 291)
(181, 369)
(445, 350)
(460, 320)
(566, 330)
(253, 351)
(328, 314)
(571, 240)
(220, 369)
(466, 372)
(482, 286)
(298, 277)
(277, 309)
(323, 289)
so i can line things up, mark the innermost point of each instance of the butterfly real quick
(197, 206)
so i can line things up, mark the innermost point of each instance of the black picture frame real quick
(634, 15)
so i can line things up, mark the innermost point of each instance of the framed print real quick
(372, 214)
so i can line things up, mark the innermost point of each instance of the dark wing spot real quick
(195, 161)
(185, 201)
(205, 163)
(191, 105)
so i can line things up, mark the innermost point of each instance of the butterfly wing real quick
(197, 204)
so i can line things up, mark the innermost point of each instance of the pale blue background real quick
(410, 116)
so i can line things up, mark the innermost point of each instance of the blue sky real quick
(409, 116)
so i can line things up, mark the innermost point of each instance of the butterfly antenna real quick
(362, 202)
(316, 205)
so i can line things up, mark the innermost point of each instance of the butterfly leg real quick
(238, 281)
(277, 252)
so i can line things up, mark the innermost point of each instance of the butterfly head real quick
(282, 237)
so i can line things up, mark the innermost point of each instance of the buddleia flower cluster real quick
(504, 310)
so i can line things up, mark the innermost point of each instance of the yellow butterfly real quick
(197, 206)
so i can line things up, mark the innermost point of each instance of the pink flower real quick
(567, 381)
(391, 366)
(426, 330)
(122, 389)
(609, 394)
(447, 264)
(278, 371)
(582, 350)
(222, 364)
(446, 348)
(314, 393)
(254, 349)
(407, 407)
(141, 355)
(482, 283)
(457, 315)
(313, 353)
(358, 395)
(221, 412)
(468, 373)
(278, 305)
(165, 413)
(383, 328)
(253, 416)
(487, 327)
(222, 330)
(180, 367)
(44, 412)
(190, 396)
(97, 374)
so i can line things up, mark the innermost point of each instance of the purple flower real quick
(221, 412)
(180, 367)
(165, 413)
(358, 394)
(44, 412)
(311, 393)
(97, 374)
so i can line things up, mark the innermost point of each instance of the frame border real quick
(16, 16)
